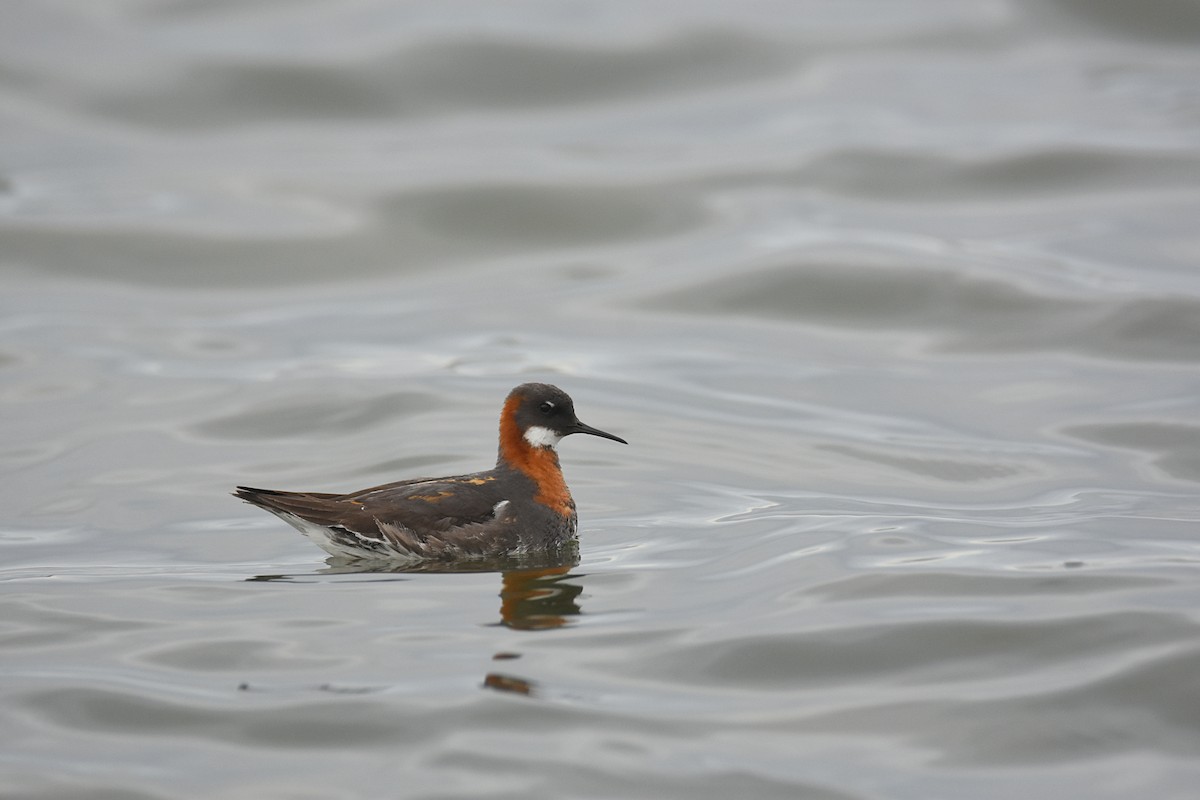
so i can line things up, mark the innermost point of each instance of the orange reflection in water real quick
(538, 599)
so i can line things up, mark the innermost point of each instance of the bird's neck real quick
(539, 464)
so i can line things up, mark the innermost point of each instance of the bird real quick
(521, 506)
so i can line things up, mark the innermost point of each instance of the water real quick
(897, 304)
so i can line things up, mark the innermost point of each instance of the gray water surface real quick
(897, 304)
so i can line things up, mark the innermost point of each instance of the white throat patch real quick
(538, 436)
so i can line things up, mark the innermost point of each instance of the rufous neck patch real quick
(540, 464)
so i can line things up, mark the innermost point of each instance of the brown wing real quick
(416, 515)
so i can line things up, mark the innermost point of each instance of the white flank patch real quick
(496, 509)
(538, 436)
(320, 535)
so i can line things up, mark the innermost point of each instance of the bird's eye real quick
(546, 407)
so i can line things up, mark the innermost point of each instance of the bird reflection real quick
(538, 599)
(508, 683)
(533, 600)
(535, 595)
